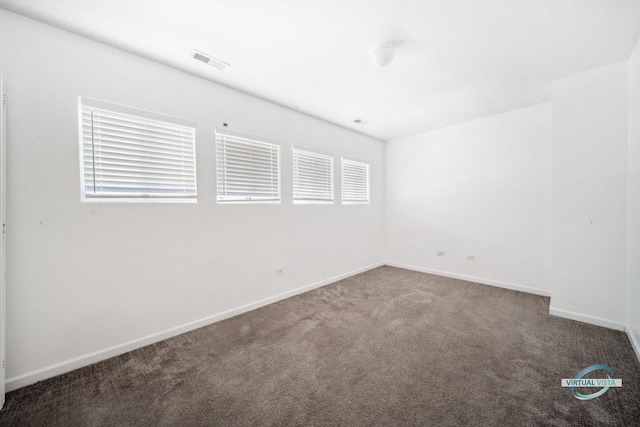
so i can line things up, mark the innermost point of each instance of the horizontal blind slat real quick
(130, 120)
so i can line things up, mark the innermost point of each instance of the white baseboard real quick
(580, 317)
(634, 339)
(32, 377)
(495, 283)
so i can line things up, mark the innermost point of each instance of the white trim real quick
(482, 281)
(31, 377)
(585, 318)
(3, 244)
(131, 111)
(635, 344)
(249, 137)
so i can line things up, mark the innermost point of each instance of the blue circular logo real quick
(585, 371)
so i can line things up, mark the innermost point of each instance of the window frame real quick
(107, 107)
(367, 168)
(294, 175)
(258, 141)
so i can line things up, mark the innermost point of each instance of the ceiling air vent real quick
(208, 59)
(360, 122)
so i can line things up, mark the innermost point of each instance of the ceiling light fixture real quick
(383, 55)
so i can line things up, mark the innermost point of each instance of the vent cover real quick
(208, 59)
(360, 121)
(201, 57)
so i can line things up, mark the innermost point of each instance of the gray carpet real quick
(388, 347)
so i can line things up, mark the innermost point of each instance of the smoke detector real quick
(208, 59)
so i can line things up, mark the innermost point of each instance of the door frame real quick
(3, 216)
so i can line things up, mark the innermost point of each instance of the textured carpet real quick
(387, 347)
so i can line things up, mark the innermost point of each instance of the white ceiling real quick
(455, 60)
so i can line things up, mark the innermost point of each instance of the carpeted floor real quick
(388, 347)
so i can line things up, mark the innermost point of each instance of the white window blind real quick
(355, 182)
(248, 169)
(312, 177)
(130, 155)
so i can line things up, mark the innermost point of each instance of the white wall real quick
(479, 188)
(83, 278)
(86, 281)
(633, 236)
(590, 140)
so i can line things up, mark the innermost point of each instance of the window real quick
(312, 177)
(131, 155)
(355, 182)
(248, 168)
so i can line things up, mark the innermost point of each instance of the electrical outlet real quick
(439, 253)
(471, 257)
(279, 271)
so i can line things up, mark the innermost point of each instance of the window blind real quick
(312, 177)
(126, 156)
(248, 169)
(355, 181)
